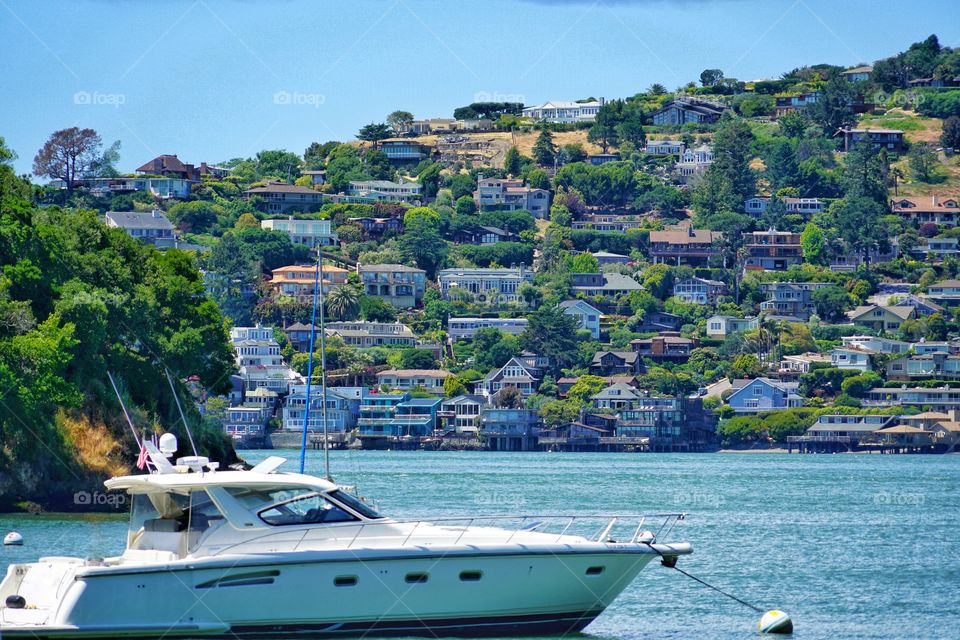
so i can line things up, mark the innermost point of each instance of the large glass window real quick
(311, 508)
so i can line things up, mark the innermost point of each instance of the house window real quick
(758, 391)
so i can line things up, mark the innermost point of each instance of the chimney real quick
(157, 165)
(690, 232)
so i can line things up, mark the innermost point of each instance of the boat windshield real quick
(284, 506)
(355, 504)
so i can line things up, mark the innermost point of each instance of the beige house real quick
(881, 318)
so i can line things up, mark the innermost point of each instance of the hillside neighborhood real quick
(731, 264)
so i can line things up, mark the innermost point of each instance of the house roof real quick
(139, 219)
(928, 203)
(629, 357)
(282, 187)
(168, 162)
(466, 397)
(863, 69)
(617, 390)
(901, 312)
(614, 282)
(927, 415)
(902, 429)
(415, 373)
(697, 236)
(667, 339)
(946, 283)
(389, 267)
(567, 304)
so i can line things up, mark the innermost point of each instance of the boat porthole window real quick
(345, 581)
(417, 578)
(470, 576)
(595, 571)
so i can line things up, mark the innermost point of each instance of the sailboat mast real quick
(323, 377)
(313, 332)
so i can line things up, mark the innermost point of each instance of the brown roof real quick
(307, 267)
(700, 236)
(167, 163)
(946, 283)
(930, 203)
(901, 428)
(414, 373)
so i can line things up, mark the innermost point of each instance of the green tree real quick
(729, 180)
(793, 124)
(586, 387)
(538, 179)
(710, 77)
(466, 206)
(557, 413)
(813, 244)
(584, 263)
(511, 162)
(417, 359)
(374, 132)
(830, 302)
(631, 129)
(950, 138)
(278, 163)
(343, 302)
(858, 221)
(399, 120)
(510, 398)
(834, 106)
(544, 150)
(923, 161)
(551, 333)
(374, 309)
(746, 366)
(603, 131)
(864, 174)
(453, 386)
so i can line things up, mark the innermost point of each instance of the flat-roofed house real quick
(312, 233)
(694, 247)
(398, 284)
(280, 197)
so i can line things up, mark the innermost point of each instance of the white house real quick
(851, 358)
(564, 111)
(466, 328)
(588, 317)
(515, 373)
(312, 233)
(722, 326)
(664, 147)
(699, 290)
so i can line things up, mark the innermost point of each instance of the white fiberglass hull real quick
(457, 591)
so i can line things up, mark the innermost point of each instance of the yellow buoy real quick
(775, 622)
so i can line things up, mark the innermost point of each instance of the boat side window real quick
(312, 508)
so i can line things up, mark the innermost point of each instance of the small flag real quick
(142, 458)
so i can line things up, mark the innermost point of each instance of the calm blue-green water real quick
(852, 546)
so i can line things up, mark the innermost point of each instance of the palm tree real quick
(343, 301)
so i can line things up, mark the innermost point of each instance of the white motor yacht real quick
(263, 553)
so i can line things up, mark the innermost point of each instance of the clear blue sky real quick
(211, 80)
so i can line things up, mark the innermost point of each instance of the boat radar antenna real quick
(186, 425)
(317, 295)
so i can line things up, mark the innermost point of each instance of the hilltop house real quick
(507, 194)
(890, 139)
(385, 191)
(664, 147)
(150, 227)
(693, 163)
(941, 210)
(612, 363)
(312, 233)
(772, 250)
(343, 408)
(880, 318)
(466, 328)
(404, 152)
(765, 394)
(757, 205)
(694, 247)
(588, 316)
(170, 166)
(297, 281)
(719, 327)
(699, 290)
(564, 111)
(681, 111)
(858, 74)
(280, 197)
(485, 285)
(398, 284)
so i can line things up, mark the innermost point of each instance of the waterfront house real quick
(666, 346)
(461, 414)
(298, 281)
(616, 396)
(506, 194)
(664, 147)
(515, 373)
(466, 328)
(343, 408)
(945, 292)
(607, 285)
(364, 333)
(564, 111)
(510, 429)
(587, 316)
(245, 422)
(765, 394)
(682, 111)
(415, 418)
(719, 327)
(699, 290)
(409, 379)
(398, 284)
(881, 318)
(280, 197)
(890, 139)
(611, 363)
(842, 431)
(694, 247)
(485, 285)
(854, 358)
(377, 411)
(931, 366)
(312, 233)
(149, 227)
(936, 209)
(936, 398)
(772, 250)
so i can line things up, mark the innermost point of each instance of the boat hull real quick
(431, 592)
